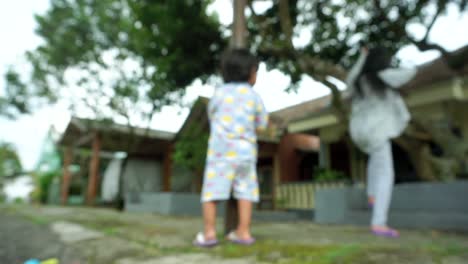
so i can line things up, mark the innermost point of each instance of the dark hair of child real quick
(237, 65)
(377, 60)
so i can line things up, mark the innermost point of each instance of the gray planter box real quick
(188, 204)
(167, 203)
(414, 205)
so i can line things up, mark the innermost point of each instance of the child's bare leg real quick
(209, 218)
(245, 217)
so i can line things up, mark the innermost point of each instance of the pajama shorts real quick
(223, 176)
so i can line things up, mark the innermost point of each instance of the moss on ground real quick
(270, 252)
(266, 251)
(439, 252)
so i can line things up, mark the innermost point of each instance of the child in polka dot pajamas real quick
(236, 113)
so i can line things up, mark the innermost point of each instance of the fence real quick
(301, 195)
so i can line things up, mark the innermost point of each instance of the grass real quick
(38, 220)
(271, 252)
(267, 251)
(440, 251)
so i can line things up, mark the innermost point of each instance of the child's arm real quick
(213, 106)
(355, 71)
(261, 115)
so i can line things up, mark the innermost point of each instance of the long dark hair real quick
(377, 60)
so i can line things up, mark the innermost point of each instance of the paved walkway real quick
(21, 240)
(106, 236)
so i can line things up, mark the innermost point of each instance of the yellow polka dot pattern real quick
(243, 90)
(255, 192)
(240, 129)
(231, 154)
(208, 195)
(210, 174)
(210, 152)
(227, 119)
(229, 100)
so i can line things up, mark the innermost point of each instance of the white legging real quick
(380, 179)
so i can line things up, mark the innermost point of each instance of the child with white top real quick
(378, 114)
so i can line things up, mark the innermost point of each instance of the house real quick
(301, 158)
(289, 158)
(99, 155)
(90, 146)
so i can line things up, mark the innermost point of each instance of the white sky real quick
(20, 187)
(27, 133)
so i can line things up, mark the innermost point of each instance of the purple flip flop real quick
(391, 233)
(232, 237)
(200, 241)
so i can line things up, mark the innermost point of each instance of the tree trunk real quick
(93, 178)
(239, 32)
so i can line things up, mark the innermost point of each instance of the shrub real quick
(45, 180)
(327, 175)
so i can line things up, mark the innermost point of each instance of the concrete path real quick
(21, 240)
(107, 236)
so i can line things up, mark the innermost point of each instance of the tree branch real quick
(381, 12)
(423, 45)
(337, 100)
(453, 61)
(315, 66)
(260, 21)
(285, 21)
(431, 24)
(310, 65)
(250, 6)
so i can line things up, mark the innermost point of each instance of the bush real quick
(19, 200)
(45, 180)
(326, 175)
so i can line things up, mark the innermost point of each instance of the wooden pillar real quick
(67, 160)
(93, 178)
(167, 169)
(276, 176)
(354, 162)
(324, 155)
(463, 120)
